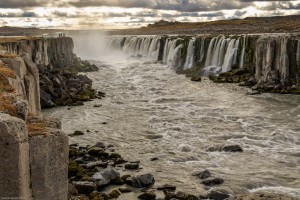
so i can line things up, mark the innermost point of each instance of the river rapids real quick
(151, 112)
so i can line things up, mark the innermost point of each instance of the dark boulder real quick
(106, 176)
(147, 196)
(213, 181)
(225, 148)
(85, 187)
(203, 174)
(140, 181)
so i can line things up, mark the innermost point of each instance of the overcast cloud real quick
(85, 14)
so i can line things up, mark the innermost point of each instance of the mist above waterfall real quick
(89, 45)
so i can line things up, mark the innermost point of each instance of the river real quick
(151, 112)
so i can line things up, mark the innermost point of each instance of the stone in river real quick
(203, 174)
(106, 176)
(132, 166)
(213, 181)
(147, 196)
(140, 181)
(85, 187)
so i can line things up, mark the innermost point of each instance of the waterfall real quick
(242, 60)
(202, 50)
(221, 55)
(190, 55)
(154, 49)
(210, 52)
(298, 55)
(166, 51)
(174, 57)
(231, 55)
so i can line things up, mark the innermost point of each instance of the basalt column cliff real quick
(33, 149)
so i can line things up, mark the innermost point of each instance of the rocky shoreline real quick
(98, 172)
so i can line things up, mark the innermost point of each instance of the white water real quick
(152, 112)
(190, 55)
(242, 60)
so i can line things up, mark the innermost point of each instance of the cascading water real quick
(174, 57)
(190, 55)
(242, 60)
(202, 51)
(222, 54)
(138, 46)
(231, 55)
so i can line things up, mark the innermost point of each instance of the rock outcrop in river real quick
(272, 59)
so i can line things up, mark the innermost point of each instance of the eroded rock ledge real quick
(58, 68)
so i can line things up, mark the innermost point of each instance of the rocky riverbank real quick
(58, 68)
(98, 172)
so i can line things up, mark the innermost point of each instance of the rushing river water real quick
(153, 112)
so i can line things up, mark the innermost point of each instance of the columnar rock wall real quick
(14, 152)
(57, 66)
(33, 150)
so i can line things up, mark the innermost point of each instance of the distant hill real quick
(19, 31)
(250, 25)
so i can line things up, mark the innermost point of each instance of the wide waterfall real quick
(265, 55)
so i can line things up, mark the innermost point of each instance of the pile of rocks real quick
(95, 173)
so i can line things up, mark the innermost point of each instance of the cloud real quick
(133, 13)
(21, 3)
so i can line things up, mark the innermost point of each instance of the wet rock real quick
(115, 155)
(114, 194)
(120, 161)
(72, 189)
(106, 176)
(118, 181)
(85, 187)
(169, 194)
(98, 105)
(132, 166)
(253, 92)
(232, 148)
(77, 133)
(100, 145)
(100, 95)
(92, 165)
(213, 181)
(196, 78)
(75, 170)
(95, 151)
(154, 159)
(154, 137)
(125, 190)
(185, 196)
(203, 175)
(72, 153)
(140, 181)
(94, 195)
(225, 148)
(218, 194)
(147, 196)
(167, 187)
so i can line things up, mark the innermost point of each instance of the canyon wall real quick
(33, 149)
(57, 66)
(273, 59)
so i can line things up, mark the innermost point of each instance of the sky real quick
(112, 14)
